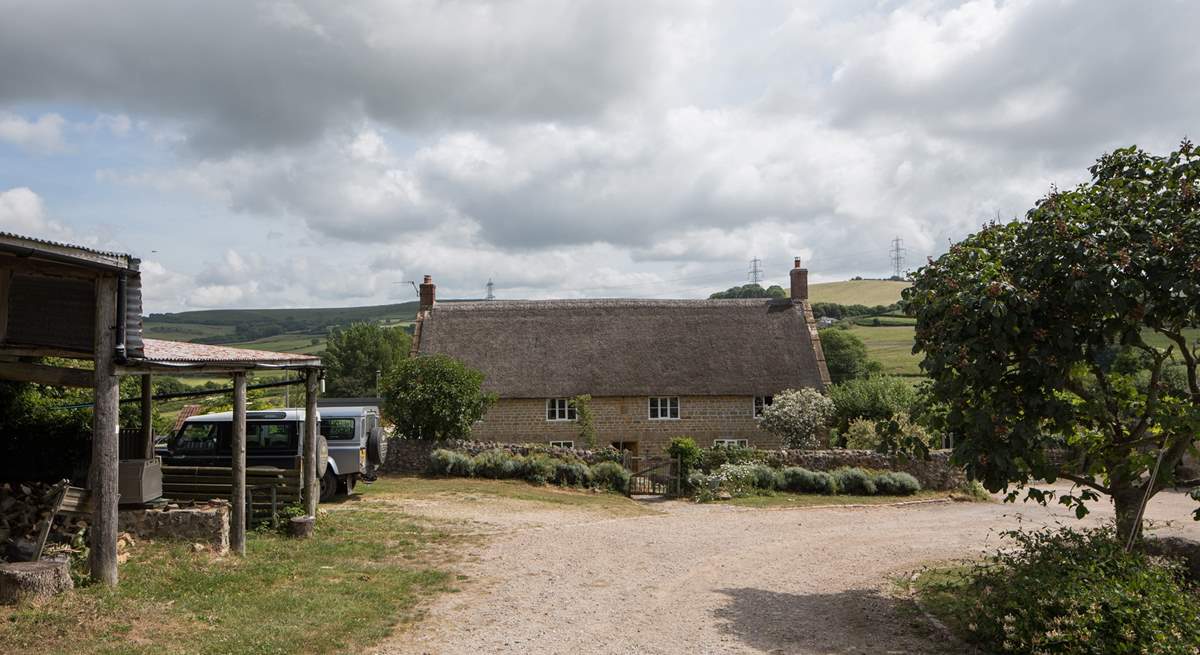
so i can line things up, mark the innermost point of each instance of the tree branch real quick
(1189, 358)
(1087, 482)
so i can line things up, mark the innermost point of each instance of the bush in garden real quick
(687, 453)
(572, 473)
(860, 435)
(497, 464)
(714, 458)
(1073, 592)
(801, 480)
(896, 483)
(611, 476)
(854, 481)
(874, 398)
(765, 477)
(797, 416)
(448, 462)
(537, 468)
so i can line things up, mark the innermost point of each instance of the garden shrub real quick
(861, 435)
(611, 476)
(496, 464)
(874, 398)
(538, 468)
(688, 454)
(801, 480)
(572, 473)
(854, 481)
(765, 477)
(1070, 592)
(896, 483)
(449, 462)
(714, 458)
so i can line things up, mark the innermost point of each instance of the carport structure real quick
(66, 301)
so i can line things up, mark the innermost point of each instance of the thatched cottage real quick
(655, 369)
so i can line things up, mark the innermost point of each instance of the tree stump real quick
(301, 527)
(23, 581)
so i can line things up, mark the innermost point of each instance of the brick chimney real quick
(429, 293)
(799, 282)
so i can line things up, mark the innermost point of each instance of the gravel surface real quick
(713, 578)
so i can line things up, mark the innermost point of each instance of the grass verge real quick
(780, 499)
(943, 592)
(366, 571)
(481, 489)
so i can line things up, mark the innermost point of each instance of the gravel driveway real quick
(714, 578)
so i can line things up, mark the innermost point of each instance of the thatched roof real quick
(562, 348)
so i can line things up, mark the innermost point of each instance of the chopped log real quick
(301, 527)
(25, 581)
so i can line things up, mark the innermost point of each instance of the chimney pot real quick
(428, 293)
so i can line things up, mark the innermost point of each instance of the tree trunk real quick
(22, 581)
(1127, 502)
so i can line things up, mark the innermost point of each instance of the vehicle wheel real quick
(329, 485)
(350, 482)
(377, 446)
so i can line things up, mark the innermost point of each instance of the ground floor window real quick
(761, 403)
(664, 408)
(729, 443)
(562, 444)
(560, 409)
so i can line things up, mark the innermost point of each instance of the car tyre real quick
(329, 486)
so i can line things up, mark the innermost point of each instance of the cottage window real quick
(664, 408)
(560, 409)
(761, 403)
(562, 444)
(730, 443)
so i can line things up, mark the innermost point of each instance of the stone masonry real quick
(207, 524)
(626, 419)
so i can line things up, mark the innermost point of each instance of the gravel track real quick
(712, 578)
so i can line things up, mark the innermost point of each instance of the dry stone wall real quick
(207, 524)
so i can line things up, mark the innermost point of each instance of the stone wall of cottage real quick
(626, 419)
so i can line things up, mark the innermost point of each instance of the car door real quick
(198, 443)
(272, 443)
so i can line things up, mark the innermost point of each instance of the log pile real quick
(24, 509)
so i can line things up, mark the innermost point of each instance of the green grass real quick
(286, 343)
(482, 490)
(945, 593)
(857, 292)
(891, 346)
(367, 570)
(814, 500)
(184, 331)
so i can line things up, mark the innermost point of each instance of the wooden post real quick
(103, 474)
(148, 416)
(312, 388)
(237, 529)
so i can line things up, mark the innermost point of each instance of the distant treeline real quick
(836, 311)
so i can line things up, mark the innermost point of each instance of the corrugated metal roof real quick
(120, 258)
(179, 352)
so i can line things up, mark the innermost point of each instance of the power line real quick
(756, 272)
(897, 256)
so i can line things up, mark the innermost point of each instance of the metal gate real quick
(653, 476)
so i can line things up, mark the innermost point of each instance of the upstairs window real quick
(761, 403)
(664, 408)
(560, 409)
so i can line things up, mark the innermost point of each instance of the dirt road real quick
(713, 578)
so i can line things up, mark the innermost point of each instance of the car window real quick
(337, 429)
(275, 435)
(197, 438)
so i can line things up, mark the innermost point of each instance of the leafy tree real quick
(750, 291)
(356, 353)
(846, 355)
(434, 397)
(874, 398)
(798, 416)
(583, 414)
(1016, 320)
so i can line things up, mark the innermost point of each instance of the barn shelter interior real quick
(71, 316)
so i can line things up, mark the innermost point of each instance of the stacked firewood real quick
(24, 509)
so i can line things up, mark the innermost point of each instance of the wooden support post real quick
(237, 529)
(312, 388)
(148, 416)
(103, 474)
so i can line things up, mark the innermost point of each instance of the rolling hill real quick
(857, 292)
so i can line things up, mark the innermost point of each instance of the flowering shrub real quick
(1073, 592)
(797, 417)
(737, 480)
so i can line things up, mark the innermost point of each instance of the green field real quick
(892, 347)
(857, 292)
(287, 343)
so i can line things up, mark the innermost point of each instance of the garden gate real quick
(655, 476)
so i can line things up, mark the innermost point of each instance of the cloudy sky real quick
(292, 153)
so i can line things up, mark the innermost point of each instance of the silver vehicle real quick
(356, 445)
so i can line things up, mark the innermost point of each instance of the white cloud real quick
(22, 212)
(41, 136)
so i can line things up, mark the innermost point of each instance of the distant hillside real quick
(857, 292)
